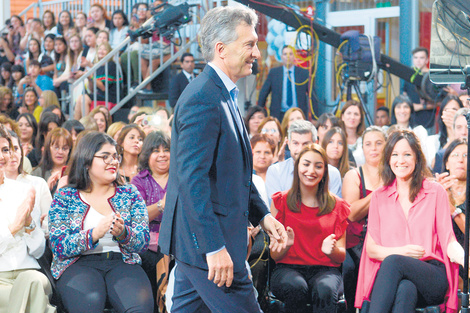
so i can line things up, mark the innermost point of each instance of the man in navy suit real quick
(288, 85)
(210, 196)
(180, 81)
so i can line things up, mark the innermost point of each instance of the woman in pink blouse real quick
(410, 242)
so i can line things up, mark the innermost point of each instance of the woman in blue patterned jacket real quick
(97, 229)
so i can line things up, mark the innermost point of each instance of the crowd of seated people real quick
(334, 175)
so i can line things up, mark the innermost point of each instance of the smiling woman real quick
(410, 245)
(97, 228)
(54, 157)
(308, 268)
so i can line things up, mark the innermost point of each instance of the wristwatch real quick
(31, 226)
(456, 212)
(160, 206)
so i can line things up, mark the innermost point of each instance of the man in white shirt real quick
(280, 175)
(180, 81)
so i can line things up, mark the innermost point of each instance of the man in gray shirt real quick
(280, 175)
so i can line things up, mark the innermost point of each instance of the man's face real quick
(381, 118)
(297, 142)
(420, 60)
(238, 56)
(287, 57)
(188, 64)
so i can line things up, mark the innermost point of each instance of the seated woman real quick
(21, 243)
(334, 142)
(454, 179)
(254, 116)
(97, 228)
(14, 171)
(358, 185)
(28, 131)
(151, 182)
(308, 268)
(271, 127)
(130, 143)
(410, 242)
(353, 117)
(55, 156)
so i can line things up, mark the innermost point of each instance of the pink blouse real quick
(428, 225)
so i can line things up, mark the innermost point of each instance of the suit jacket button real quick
(246, 213)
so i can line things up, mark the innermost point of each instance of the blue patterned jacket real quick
(68, 239)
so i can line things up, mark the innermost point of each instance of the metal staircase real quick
(185, 40)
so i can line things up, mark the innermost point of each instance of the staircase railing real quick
(185, 39)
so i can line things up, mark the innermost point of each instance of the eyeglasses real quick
(269, 131)
(457, 155)
(108, 158)
(63, 149)
(142, 10)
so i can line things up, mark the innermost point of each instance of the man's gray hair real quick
(302, 127)
(219, 24)
(460, 112)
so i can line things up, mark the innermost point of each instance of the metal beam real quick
(292, 18)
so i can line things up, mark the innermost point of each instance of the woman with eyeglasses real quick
(23, 288)
(97, 229)
(54, 157)
(271, 127)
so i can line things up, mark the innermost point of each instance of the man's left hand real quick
(276, 231)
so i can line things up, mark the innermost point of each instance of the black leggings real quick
(297, 285)
(86, 284)
(403, 283)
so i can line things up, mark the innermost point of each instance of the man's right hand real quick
(220, 268)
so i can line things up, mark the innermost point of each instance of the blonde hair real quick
(50, 98)
(114, 128)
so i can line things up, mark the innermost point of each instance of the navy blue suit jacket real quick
(273, 84)
(210, 197)
(177, 85)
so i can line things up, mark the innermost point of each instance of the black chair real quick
(428, 309)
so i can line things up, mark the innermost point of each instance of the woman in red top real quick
(410, 243)
(308, 268)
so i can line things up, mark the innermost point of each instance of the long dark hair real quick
(362, 124)
(30, 54)
(399, 100)
(46, 118)
(153, 141)
(54, 136)
(420, 172)
(82, 159)
(124, 16)
(251, 111)
(53, 19)
(20, 165)
(60, 28)
(344, 160)
(326, 200)
(32, 122)
(124, 131)
(442, 127)
(454, 144)
(57, 56)
(6, 66)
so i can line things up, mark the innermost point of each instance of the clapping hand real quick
(329, 244)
